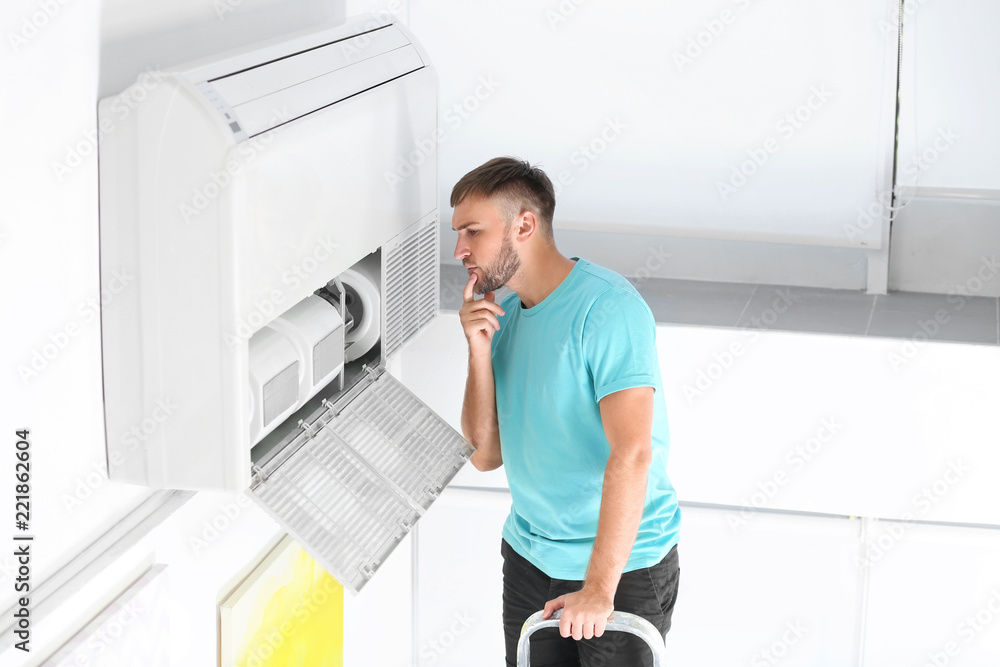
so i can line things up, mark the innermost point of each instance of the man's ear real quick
(527, 224)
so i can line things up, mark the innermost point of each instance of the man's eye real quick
(473, 232)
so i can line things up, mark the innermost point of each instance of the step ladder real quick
(619, 621)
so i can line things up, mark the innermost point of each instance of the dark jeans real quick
(649, 592)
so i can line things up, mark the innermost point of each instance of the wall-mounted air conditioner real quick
(280, 255)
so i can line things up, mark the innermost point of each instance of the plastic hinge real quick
(259, 472)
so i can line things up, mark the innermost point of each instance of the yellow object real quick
(293, 612)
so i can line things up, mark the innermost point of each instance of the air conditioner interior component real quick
(356, 476)
(316, 329)
(274, 380)
(293, 358)
(363, 300)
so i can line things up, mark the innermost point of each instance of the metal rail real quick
(619, 621)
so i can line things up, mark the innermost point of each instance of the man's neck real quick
(538, 279)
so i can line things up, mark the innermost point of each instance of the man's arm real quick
(479, 413)
(627, 416)
(479, 408)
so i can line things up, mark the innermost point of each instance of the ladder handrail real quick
(619, 621)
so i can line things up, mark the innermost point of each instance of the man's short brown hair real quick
(515, 187)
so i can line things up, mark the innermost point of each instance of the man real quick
(564, 390)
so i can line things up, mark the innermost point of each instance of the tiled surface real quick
(695, 302)
(905, 315)
(949, 327)
(807, 309)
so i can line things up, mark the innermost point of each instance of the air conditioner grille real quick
(411, 285)
(360, 478)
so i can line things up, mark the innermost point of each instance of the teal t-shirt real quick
(552, 364)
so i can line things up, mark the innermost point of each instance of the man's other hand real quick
(585, 613)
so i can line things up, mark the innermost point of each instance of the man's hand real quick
(479, 412)
(585, 613)
(479, 318)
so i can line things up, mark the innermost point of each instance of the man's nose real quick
(461, 250)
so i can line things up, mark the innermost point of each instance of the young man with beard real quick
(564, 391)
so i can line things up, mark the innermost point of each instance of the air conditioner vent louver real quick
(261, 97)
(411, 277)
(360, 476)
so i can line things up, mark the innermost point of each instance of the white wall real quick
(584, 53)
(639, 124)
(948, 133)
(52, 369)
(948, 166)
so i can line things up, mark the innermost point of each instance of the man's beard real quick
(501, 270)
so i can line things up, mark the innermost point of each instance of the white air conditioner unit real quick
(282, 236)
